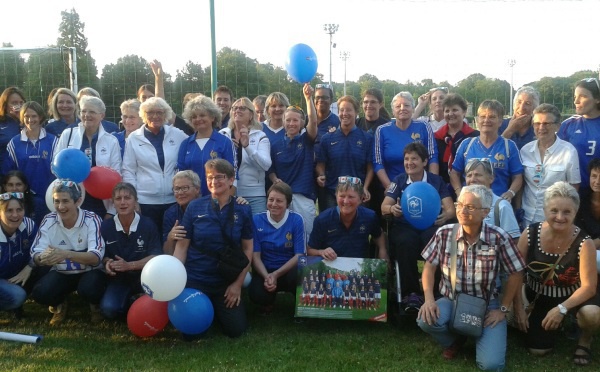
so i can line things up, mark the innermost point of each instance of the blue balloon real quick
(71, 164)
(301, 63)
(421, 205)
(191, 312)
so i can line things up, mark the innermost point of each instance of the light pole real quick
(511, 63)
(331, 29)
(344, 56)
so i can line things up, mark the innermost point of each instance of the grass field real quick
(272, 343)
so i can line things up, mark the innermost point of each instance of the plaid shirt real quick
(476, 267)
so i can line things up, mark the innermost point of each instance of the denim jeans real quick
(12, 296)
(491, 345)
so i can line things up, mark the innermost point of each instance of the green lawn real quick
(272, 343)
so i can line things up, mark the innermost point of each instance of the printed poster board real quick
(345, 288)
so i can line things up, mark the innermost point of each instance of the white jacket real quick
(141, 167)
(108, 151)
(256, 160)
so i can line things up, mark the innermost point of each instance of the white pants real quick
(306, 208)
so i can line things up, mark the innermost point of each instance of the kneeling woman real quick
(278, 241)
(15, 261)
(69, 241)
(131, 241)
(212, 224)
(344, 231)
(561, 276)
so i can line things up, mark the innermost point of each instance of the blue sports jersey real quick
(519, 140)
(14, 250)
(8, 130)
(141, 242)
(293, 163)
(172, 214)
(329, 124)
(329, 231)
(389, 143)
(505, 165)
(345, 155)
(584, 134)
(272, 135)
(202, 220)
(56, 127)
(193, 158)
(399, 184)
(277, 245)
(33, 159)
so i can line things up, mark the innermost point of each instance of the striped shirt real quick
(477, 265)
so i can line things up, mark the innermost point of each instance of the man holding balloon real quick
(425, 205)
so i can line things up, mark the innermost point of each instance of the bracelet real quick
(512, 192)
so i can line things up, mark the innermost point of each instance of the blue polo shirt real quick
(277, 243)
(505, 165)
(56, 127)
(202, 220)
(584, 134)
(8, 129)
(157, 141)
(401, 182)
(345, 155)
(141, 242)
(389, 143)
(172, 214)
(14, 250)
(329, 231)
(293, 162)
(329, 124)
(191, 157)
(271, 135)
(519, 140)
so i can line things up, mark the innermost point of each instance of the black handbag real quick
(468, 312)
(231, 258)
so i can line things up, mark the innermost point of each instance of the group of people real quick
(221, 177)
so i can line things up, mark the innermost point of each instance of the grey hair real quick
(546, 108)
(190, 175)
(155, 103)
(561, 189)
(405, 95)
(94, 102)
(74, 191)
(480, 192)
(132, 104)
(202, 103)
(530, 91)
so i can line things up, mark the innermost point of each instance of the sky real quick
(401, 40)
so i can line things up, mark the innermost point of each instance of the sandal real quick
(582, 359)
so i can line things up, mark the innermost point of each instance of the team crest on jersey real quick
(362, 228)
(416, 137)
(289, 237)
(359, 143)
(140, 242)
(392, 187)
(235, 217)
(44, 154)
(214, 155)
(331, 129)
(300, 146)
(499, 157)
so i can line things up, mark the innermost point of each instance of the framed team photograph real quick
(345, 288)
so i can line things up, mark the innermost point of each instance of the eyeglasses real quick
(178, 189)
(443, 89)
(239, 108)
(468, 207)
(295, 108)
(218, 178)
(350, 180)
(589, 80)
(542, 124)
(12, 195)
(155, 113)
(321, 86)
(475, 162)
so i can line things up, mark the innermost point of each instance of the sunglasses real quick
(475, 162)
(590, 80)
(321, 86)
(66, 183)
(443, 89)
(295, 108)
(350, 180)
(11, 195)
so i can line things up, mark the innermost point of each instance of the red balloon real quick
(147, 317)
(101, 182)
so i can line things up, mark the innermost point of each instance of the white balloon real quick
(50, 201)
(163, 278)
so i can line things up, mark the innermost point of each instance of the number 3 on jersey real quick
(592, 148)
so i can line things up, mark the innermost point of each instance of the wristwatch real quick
(504, 309)
(563, 310)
